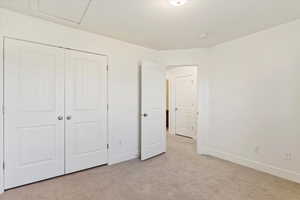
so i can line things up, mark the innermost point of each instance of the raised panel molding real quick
(37, 144)
(91, 129)
(44, 67)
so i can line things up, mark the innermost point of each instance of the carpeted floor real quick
(178, 174)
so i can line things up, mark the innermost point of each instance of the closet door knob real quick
(60, 117)
(69, 117)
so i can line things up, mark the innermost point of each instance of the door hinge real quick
(107, 145)
(3, 166)
(3, 108)
(107, 106)
(106, 67)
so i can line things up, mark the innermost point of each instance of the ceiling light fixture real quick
(177, 2)
(203, 36)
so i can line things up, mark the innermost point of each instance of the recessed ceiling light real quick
(177, 2)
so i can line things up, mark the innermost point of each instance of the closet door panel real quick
(33, 99)
(86, 111)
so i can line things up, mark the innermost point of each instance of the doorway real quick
(181, 100)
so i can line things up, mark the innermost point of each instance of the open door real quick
(153, 120)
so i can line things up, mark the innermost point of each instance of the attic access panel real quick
(67, 10)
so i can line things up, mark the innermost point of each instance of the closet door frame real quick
(2, 108)
(1, 115)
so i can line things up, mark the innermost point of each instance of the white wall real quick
(123, 74)
(254, 100)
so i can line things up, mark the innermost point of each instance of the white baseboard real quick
(273, 170)
(118, 158)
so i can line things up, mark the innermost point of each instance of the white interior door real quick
(153, 122)
(34, 111)
(185, 105)
(86, 111)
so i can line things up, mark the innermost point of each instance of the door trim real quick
(53, 45)
(1, 115)
(2, 134)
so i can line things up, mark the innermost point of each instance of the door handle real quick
(69, 117)
(145, 115)
(60, 117)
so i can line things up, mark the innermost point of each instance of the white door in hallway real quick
(34, 112)
(185, 105)
(86, 111)
(153, 88)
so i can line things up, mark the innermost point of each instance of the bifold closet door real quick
(34, 111)
(86, 110)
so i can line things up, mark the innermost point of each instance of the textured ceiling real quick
(158, 25)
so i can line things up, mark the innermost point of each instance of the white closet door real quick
(34, 100)
(153, 121)
(86, 111)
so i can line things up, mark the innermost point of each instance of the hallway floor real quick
(178, 174)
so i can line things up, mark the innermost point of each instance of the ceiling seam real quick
(85, 11)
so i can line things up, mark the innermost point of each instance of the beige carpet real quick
(178, 174)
